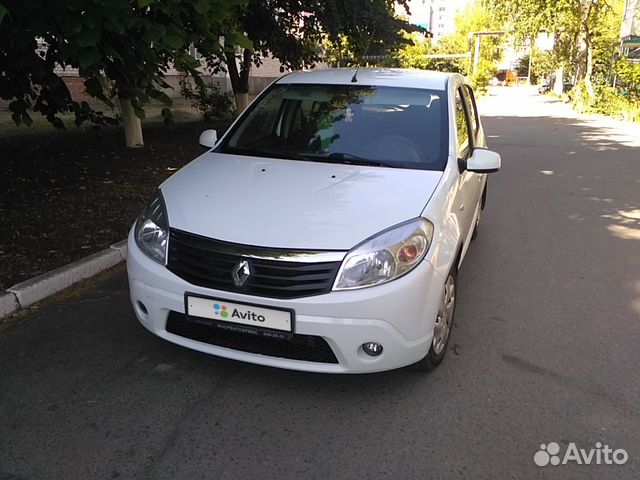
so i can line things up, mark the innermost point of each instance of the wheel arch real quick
(450, 248)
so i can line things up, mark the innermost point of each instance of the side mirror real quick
(483, 161)
(208, 138)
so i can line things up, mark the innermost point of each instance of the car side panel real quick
(468, 186)
(443, 211)
(445, 205)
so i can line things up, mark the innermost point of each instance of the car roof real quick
(388, 77)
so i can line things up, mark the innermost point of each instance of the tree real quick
(522, 66)
(594, 22)
(629, 76)
(419, 54)
(475, 18)
(293, 31)
(414, 54)
(120, 47)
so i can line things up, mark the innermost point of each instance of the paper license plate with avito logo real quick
(239, 313)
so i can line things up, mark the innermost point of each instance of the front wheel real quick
(443, 325)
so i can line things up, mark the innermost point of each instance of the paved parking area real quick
(545, 349)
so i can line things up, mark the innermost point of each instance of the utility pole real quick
(476, 56)
(530, 57)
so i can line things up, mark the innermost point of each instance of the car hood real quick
(292, 204)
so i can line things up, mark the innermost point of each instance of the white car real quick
(324, 231)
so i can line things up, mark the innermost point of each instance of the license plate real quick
(239, 313)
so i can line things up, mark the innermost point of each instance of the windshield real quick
(367, 125)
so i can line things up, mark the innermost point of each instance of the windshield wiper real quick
(262, 153)
(335, 157)
(349, 159)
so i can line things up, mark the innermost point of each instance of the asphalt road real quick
(545, 349)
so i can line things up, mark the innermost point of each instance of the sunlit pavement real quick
(545, 350)
(526, 102)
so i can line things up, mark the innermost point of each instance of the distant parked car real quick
(495, 82)
(545, 87)
(324, 231)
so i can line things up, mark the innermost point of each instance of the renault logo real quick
(241, 273)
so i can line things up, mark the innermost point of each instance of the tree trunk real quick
(589, 66)
(132, 125)
(240, 78)
(588, 42)
(242, 101)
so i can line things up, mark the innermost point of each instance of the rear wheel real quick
(443, 325)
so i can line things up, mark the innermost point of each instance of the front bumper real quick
(399, 315)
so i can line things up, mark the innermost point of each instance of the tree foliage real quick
(417, 54)
(628, 74)
(592, 23)
(207, 98)
(124, 47)
(120, 47)
(294, 32)
(475, 18)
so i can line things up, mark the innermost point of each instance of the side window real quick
(462, 127)
(261, 127)
(300, 118)
(473, 112)
(301, 124)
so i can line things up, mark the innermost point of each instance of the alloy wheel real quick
(444, 320)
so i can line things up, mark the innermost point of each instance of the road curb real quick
(8, 304)
(25, 294)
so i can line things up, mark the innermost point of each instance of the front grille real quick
(295, 347)
(209, 263)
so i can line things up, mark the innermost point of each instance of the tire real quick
(446, 312)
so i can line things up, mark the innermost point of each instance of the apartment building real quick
(421, 13)
(444, 16)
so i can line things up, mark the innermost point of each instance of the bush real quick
(208, 99)
(580, 98)
(629, 77)
(607, 101)
(480, 81)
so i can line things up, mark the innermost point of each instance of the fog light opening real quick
(372, 349)
(142, 307)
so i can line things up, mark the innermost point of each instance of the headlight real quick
(152, 230)
(386, 256)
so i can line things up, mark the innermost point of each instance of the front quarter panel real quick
(442, 207)
(447, 233)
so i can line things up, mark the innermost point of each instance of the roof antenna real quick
(354, 79)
